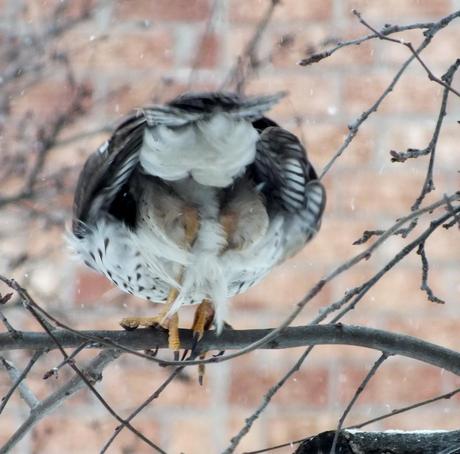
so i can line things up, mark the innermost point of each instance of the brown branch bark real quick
(339, 334)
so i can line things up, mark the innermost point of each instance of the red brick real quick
(284, 286)
(412, 94)
(58, 434)
(364, 189)
(254, 439)
(308, 387)
(193, 434)
(439, 329)
(444, 156)
(432, 417)
(9, 425)
(208, 53)
(395, 190)
(163, 10)
(127, 95)
(42, 10)
(183, 393)
(249, 383)
(308, 94)
(130, 49)
(287, 10)
(393, 384)
(90, 286)
(324, 137)
(42, 100)
(400, 287)
(396, 10)
(289, 426)
(442, 247)
(334, 242)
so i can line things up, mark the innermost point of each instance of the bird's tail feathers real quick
(193, 109)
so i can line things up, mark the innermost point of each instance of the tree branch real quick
(355, 125)
(355, 442)
(17, 378)
(358, 392)
(141, 339)
(93, 372)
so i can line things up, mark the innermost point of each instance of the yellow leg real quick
(160, 319)
(173, 335)
(170, 323)
(204, 316)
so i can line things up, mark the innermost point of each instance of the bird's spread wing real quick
(106, 172)
(287, 178)
(101, 183)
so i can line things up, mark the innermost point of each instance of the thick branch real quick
(141, 339)
(354, 442)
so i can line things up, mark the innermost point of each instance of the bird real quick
(193, 202)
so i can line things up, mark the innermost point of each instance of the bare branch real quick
(358, 392)
(141, 339)
(47, 140)
(407, 442)
(425, 268)
(265, 401)
(17, 378)
(386, 30)
(369, 421)
(152, 397)
(92, 373)
(404, 409)
(359, 293)
(362, 290)
(409, 45)
(354, 126)
(247, 61)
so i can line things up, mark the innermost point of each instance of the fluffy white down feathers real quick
(213, 151)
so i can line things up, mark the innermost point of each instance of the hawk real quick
(194, 202)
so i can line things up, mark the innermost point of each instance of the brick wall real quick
(136, 52)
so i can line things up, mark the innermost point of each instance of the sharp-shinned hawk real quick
(194, 202)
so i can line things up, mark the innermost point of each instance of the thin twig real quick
(360, 291)
(357, 393)
(425, 269)
(46, 141)
(93, 373)
(152, 397)
(17, 377)
(396, 259)
(30, 306)
(247, 61)
(161, 338)
(409, 45)
(404, 409)
(265, 401)
(54, 370)
(355, 125)
(8, 325)
(386, 30)
(369, 421)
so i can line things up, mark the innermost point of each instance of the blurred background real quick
(70, 70)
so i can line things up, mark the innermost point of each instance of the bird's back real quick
(248, 182)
